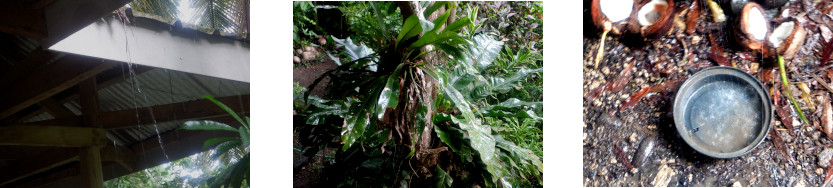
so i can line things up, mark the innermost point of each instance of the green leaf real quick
(411, 24)
(460, 23)
(389, 98)
(375, 163)
(484, 50)
(227, 109)
(430, 38)
(434, 7)
(355, 126)
(355, 52)
(442, 178)
(212, 141)
(502, 85)
(206, 125)
(440, 21)
(244, 136)
(224, 147)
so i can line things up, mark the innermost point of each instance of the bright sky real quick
(185, 11)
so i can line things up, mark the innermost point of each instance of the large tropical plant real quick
(236, 148)
(399, 111)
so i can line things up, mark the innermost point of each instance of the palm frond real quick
(163, 8)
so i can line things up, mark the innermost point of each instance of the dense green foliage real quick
(451, 121)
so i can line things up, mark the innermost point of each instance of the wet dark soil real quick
(306, 74)
(628, 100)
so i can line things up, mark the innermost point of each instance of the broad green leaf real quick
(244, 136)
(355, 126)
(513, 103)
(440, 21)
(206, 125)
(460, 23)
(375, 163)
(484, 50)
(227, 109)
(434, 7)
(430, 38)
(426, 24)
(411, 24)
(212, 141)
(389, 98)
(356, 52)
(224, 147)
(502, 85)
(442, 178)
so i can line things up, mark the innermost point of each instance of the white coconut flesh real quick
(780, 33)
(616, 10)
(756, 24)
(651, 12)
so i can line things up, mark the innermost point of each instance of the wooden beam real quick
(36, 164)
(59, 136)
(91, 175)
(191, 110)
(105, 79)
(197, 109)
(36, 59)
(56, 77)
(19, 18)
(50, 178)
(57, 110)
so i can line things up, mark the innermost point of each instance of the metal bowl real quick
(722, 112)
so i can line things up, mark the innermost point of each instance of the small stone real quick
(633, 138)
(824, 157)
(299, 51)
(819, 171)
(825, 33)
(695, 39)
(296, 59)
(799, 184)
(605, 70)
(737, 184)
(663, 176)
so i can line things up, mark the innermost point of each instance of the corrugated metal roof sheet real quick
(154, 87)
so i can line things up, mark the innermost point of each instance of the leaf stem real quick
(787, 88)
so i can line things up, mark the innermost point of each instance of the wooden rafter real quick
(59, 156)
(54, 78)
(59, 136)
(191, 110)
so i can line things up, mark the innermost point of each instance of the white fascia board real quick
(153, 43)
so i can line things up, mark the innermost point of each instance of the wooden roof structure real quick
(76, 119)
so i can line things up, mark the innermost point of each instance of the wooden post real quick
(90, 156)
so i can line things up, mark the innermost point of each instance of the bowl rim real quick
(686, 90)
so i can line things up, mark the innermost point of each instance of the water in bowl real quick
(724, 115)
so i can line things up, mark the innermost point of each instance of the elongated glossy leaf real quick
(224, 147)
(502, 85)
(440, 21)
(356, 52)
(501, 113)
(442, 178)
(513, 103)
(244, 136)
(460, 23)
(389, 98)
(213, 141)
(411, 24)
(484, 50)
(206, 125)
(434, 7)
(226, 108)
(425, 24)
(430, 38)
(354, 127)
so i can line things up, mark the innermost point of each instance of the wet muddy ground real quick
(629, 136)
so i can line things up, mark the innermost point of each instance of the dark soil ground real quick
(307, 168)
(622, 123)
